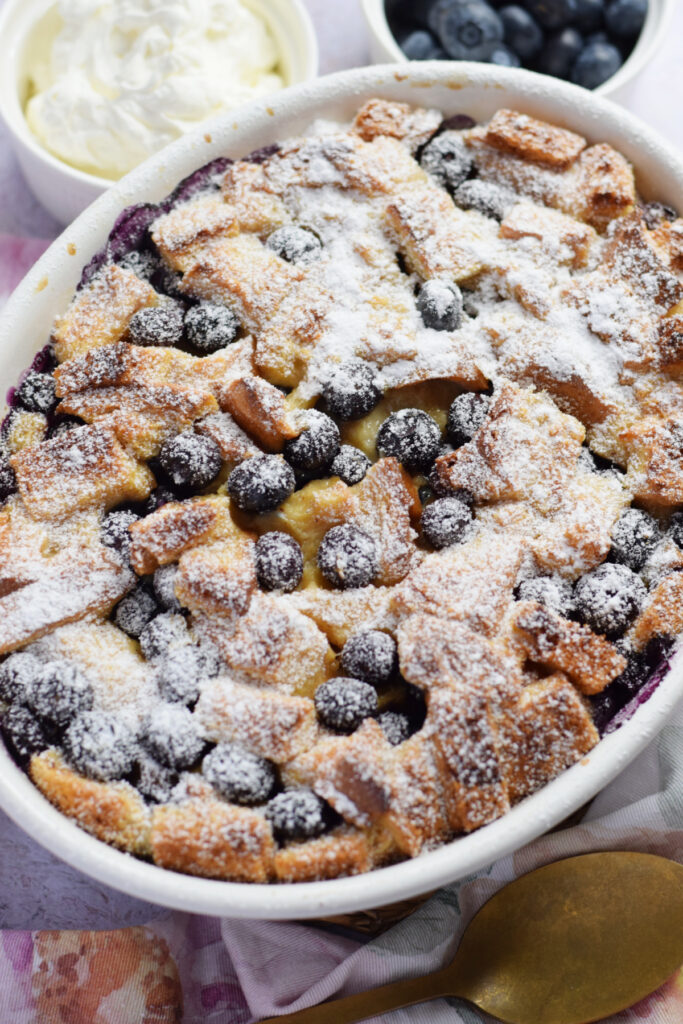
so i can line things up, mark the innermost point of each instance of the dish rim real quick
(47, 288)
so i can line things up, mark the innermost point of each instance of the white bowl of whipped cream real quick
(89, 89)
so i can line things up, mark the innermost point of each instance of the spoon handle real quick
(370, 1004)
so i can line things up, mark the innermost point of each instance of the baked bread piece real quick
(339, 504)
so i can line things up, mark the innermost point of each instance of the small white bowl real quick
(66, 191)
(25, 324)
(383, 45)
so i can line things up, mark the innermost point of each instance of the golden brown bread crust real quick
(538, 141)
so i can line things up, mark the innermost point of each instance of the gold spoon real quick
(569, 943)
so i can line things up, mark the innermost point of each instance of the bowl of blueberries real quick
(598, 44)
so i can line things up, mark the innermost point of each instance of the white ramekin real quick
(383, 45)
(477, 89)
(66, 191)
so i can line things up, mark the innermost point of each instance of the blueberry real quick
(522, 32)
(352, 390)
(676, 528)
(625, 17)
(552, 592)
(447, 159)
(609, 598)
(180, 674)
(656, 214)
(589, 14)
(552, 14)
(172, 736)
(37, 392)
(239, 775)
(420, 45)
(343, 704)
(8, 480)
(211, 327)
(100, 745)
(485, 197)
(350, 464)
(347, 557)
(446, 522)
(416, 11)
(165, 631)
(468, 29)
(371, 656)
(295, 245)
(163, 583)
(299, 814)
(465, 416)
(143, 264)
(59, 693)
(560, 53)
(440, 305)
(426, 494)
(261, 483)
(157, 325)
(155, 781)
(504, 57)
(411, 436)
(23, 733)
(114, 531)
(16, 672)
(279, 562)
(135, 611)
(595, 64)
(191, 460)
(159, 496)
(634, 538)
(63, 425)
(395, 726)
(316, 446)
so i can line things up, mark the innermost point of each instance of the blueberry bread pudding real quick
(344, 508)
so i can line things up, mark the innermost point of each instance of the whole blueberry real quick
(625, 17)
(411, 436)
(522, 32)
(101, 745)
(172, 736)
(161, 633)
(589, 14)
(656, 214)
(551, 591)
(135, 611)
(440, 305)
(676, 528)
(445, 522)
(634, 538)
(157, 325)
(370, 655)
(37, 392)
(58, 693)
(239, 775)
(596, 63)
(465, 416)
(420, 45)
(191, 460)
(163, 583)
(316, 446)
(347, 557)
(504, 57)
(447, 159)
(23, 733)
(211, 327)
(8, 480)
(279, 561)
(343, 704)
(609, 598)
(395, 726)
(180, 673)
(298, 814)
(560, 53)
(486, 197)
(468, 29)
(114, 531)
(261, 483)
(552, 14)
(155, 781)
(350, 465)
(295, 245)
(352, 390)
(16, 672)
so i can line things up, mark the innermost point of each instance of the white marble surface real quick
(36, 890)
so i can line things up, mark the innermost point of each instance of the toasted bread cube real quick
(345, 851)
(283, 349)
(416, 816)
(256, 209)
(436, 653)
(670, 343)
(163, 536)
(214, 840)
(261, 410)
(381, 167)
(218, 578)
(605, 187)
(387, 501)
(668, 238)
(85, 467)
(590, 661)
(412, 125)
(268, 723)
(567, 239)
(541, 183)
(341, 613)
(233, 443)
(655, 468)
(112, 811)
(538, 141)
(662, 614)
(23, 430)
(179, 405)
(231, 363)
(631, 255)
(100, 313)
(97, 368)
(181, 234)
